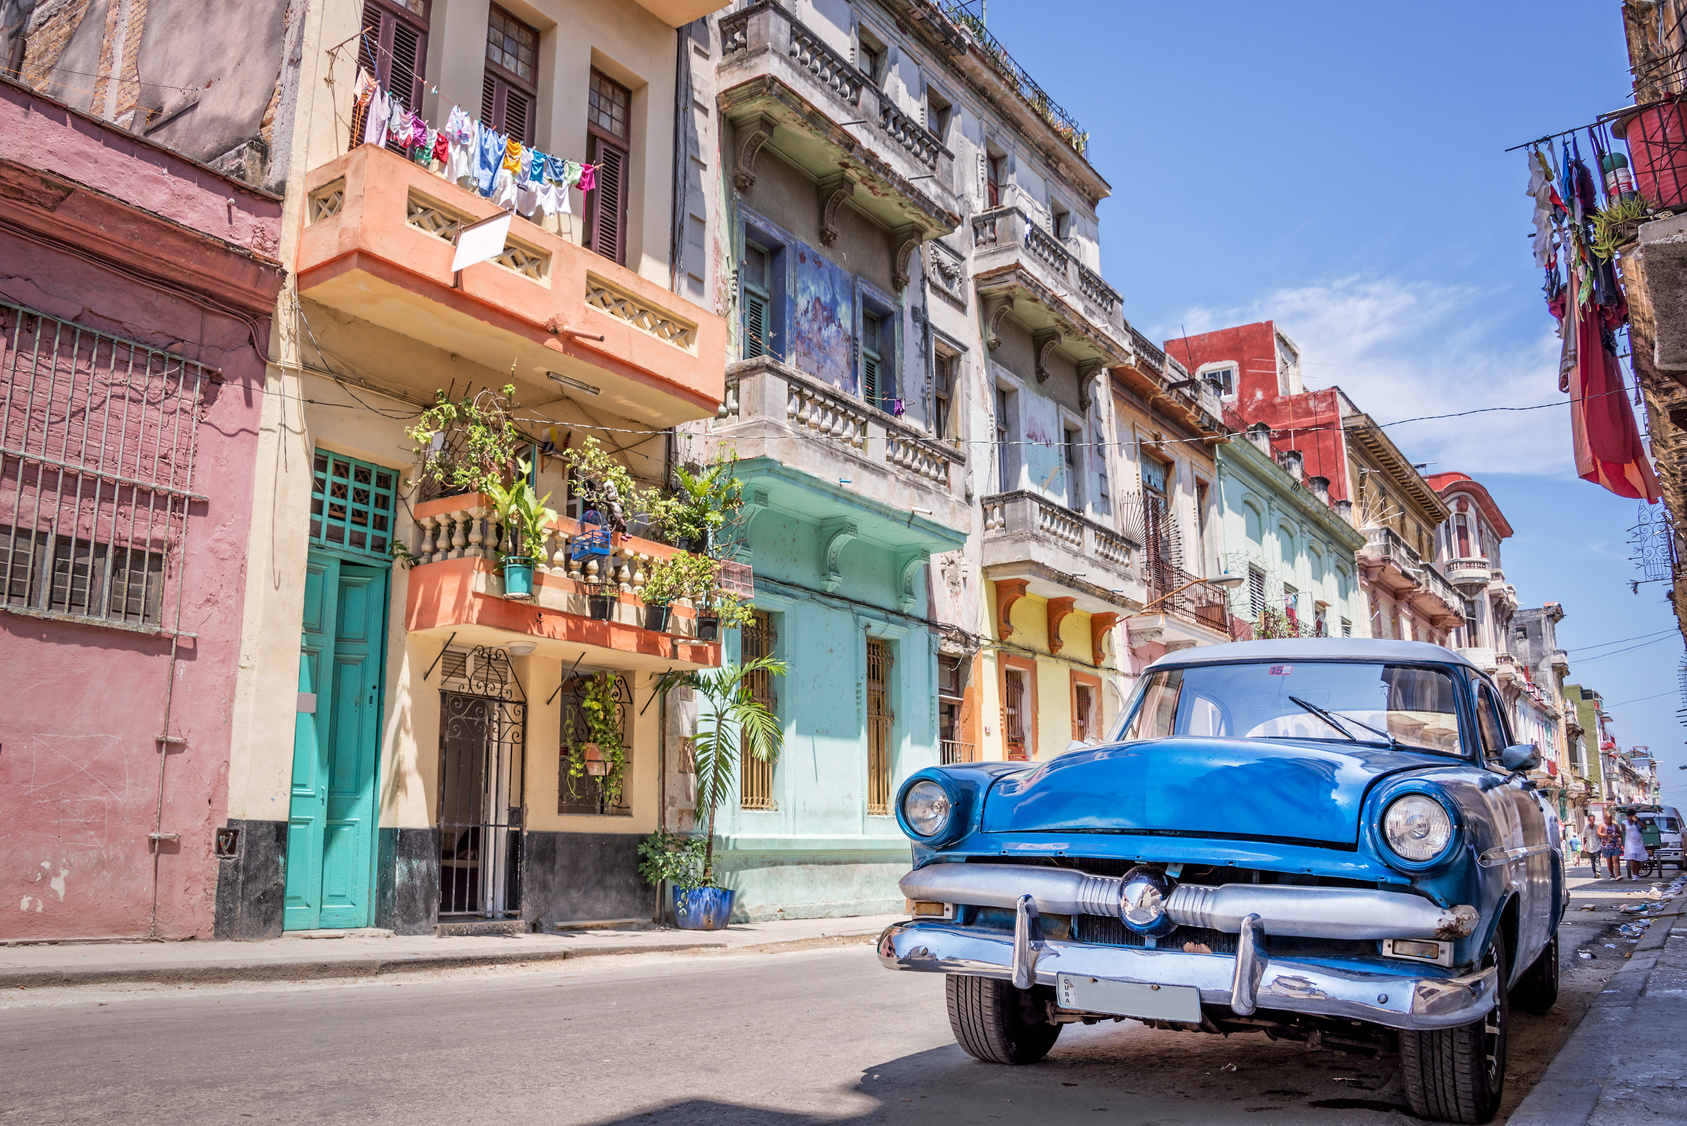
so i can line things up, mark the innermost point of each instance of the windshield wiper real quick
(1393, 743)
(1325, 716)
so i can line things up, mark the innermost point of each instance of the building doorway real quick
(336, 747)
(482, 760)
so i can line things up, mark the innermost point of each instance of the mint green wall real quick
(1269, 521)
(819, 853)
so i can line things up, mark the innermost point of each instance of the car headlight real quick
(926, 808)
(1417, 827)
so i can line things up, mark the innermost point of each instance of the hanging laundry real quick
(512, 155)
(398, 122)
(1540, 189)
(441, 146)
(489, 154)
(588, 177)
(1606, 440)
(421, 148)
(526, 186)
(459, 164)
(375, 123)
(364, 87)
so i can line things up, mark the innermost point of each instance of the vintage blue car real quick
(1324, 839)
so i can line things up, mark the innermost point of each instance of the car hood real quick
(1240, 788)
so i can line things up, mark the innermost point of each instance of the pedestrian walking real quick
(1634, 846)
(1610, 843)
(1590, 845)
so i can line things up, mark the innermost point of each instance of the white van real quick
(1667, 820)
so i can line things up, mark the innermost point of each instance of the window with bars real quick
(1014, 723)
(951, 704)
(1084, 726)
(609, 147)
(880, 720)
(97, 443)
(394, 48)
(509, 88)
(760, 638)
(351, 505)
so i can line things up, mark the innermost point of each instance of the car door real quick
(1521, 847)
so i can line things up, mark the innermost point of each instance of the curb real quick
(1569, 1091)
(378, 967)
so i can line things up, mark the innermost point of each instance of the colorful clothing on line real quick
(375, 122)
(459, 164)
(489, 154)
(512, 155)
(588, 177)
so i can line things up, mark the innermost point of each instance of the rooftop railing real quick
(1047, 108)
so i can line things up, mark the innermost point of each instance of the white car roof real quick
(1311, 649)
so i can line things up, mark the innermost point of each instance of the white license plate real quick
(1128, 998)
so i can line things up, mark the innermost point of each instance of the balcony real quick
(1390, 562)
(1560, 661)
(377, 245)
(1467, 573)
(1182, 610)
(782, 86)
(1022, 269)
(456, 590)
(1060, 553)
(1437, 600)
(777, 412)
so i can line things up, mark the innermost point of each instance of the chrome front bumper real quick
(1392, 1000)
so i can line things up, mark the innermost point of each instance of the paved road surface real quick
(767, 1040)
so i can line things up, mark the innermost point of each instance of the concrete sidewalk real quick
(365, 954)
(1626, 1062)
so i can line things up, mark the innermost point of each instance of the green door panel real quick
(331, 830)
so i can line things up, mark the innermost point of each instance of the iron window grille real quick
(351, 505)
(755, 776)
(880, 720)
(1013, 713)
(98, 437)
(587, 793)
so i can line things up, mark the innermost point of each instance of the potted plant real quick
(674, 859)
(463, 444)
(601, 483)
(731, 722)
(670, 579)
(720, 610)
(703, 503)
(600, 754)
(524, 516)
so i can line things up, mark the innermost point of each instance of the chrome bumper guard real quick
(1245, 983)
(1285, 909)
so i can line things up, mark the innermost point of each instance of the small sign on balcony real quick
(481, 241)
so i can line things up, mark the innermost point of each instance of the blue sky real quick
(1340, 168)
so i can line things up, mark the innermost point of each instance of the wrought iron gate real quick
(482, 760)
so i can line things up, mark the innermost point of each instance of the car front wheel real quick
(998, 1023)
(1537, 989)
(1458, 1074)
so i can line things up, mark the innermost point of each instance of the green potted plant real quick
(601, 753)
(674, 859)
(731, 722)
(524, 516)
(602, 484)
(703, 503)
(672, 578)
(463, 444)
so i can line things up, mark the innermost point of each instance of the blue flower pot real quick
(518, 577)
(703, 909)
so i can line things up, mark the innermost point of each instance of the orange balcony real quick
(377, 245)
(456, 588)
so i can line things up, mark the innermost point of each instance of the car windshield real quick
(1358, 701)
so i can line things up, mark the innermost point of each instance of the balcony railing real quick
(767, 26)
(1433, 584)
(1174, 591)
(1386, 544)
(1010, 229)
(1058, 119)
(1468, 572)
(1025, 513)
(955, 751)
(465, 528)
(770, 399)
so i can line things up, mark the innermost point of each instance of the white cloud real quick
(1405, 349)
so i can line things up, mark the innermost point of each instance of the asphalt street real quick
(787, 1038)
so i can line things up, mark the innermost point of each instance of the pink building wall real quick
(105, 230)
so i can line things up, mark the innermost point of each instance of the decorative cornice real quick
(835, 535)
(754, 132)
(908, 568)
(1100, 626)
(1058, 609)
(832, 191)
(1008, 591)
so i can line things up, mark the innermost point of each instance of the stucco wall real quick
(79, 759)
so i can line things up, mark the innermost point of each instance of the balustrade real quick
(826, 414)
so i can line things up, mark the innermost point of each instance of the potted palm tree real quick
(524, 516)
(731, 722)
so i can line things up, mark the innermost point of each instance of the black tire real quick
(1537, 990)
(997, 1023)
(1458, 1074)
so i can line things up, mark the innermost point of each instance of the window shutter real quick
(1256, 591)
(870, 378)
(755, 325)
(489, 89)
(506, 108)
(609, 210)
(409, 58)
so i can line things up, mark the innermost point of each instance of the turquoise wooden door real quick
(331, 819)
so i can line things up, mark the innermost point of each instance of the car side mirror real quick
(1520, 757)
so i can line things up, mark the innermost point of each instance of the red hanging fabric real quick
(1607, 442)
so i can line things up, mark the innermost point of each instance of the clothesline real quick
(475, 156)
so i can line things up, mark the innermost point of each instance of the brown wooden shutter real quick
(609, 205)
(395, 50)
(506, 108)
